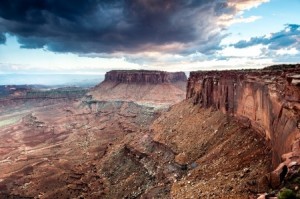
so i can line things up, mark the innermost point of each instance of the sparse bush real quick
(296, 180)
(286, 194)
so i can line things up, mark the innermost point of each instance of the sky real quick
(95, 36)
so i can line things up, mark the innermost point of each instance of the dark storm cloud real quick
(287, 38)
(2, 38)
(105, 26)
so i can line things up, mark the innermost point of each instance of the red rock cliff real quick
(268, 100)
(143, 76)
(147, 87)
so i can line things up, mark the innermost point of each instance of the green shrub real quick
(286, 194)
(297, 180)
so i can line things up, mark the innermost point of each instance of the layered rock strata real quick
(144, 87)
(144, 76)
(267, 100)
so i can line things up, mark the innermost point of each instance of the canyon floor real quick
(125, 150)
(46, 151)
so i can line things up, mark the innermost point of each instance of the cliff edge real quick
(267, 100)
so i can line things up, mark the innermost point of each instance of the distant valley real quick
(51, 80)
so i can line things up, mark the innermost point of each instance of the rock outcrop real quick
(144, 76)
(141, 86)
(268, 100)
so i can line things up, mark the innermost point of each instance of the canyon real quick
(154, 134)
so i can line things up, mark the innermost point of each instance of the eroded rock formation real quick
(144, 76)
(146, 87)
(267, 100)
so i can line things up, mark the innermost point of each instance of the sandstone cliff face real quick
(144, 77)
(145, 87)
(266, 100)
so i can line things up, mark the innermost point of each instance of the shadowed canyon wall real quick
(267, 100)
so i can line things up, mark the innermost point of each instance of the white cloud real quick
(228, 20)
(232, 63)
(242, 5)
(286, 51)
(253, 51)
(246, 20)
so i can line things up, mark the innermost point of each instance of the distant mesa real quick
(142, 86)
(144, 76)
